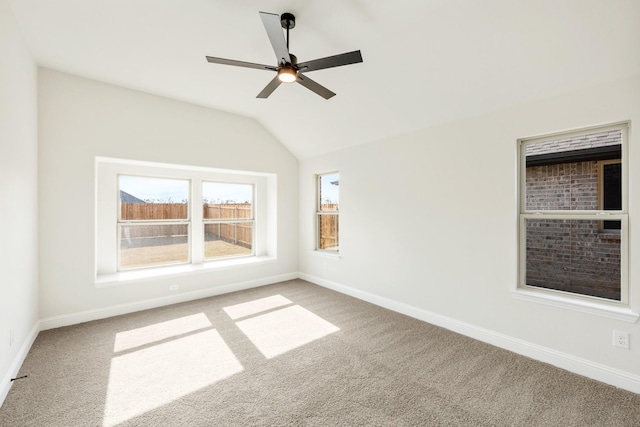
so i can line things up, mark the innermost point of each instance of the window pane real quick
(148, 199)
(573, 256)
(611, 191)
(152, 245)
(329, 193)
(563, 174)
(328, 232)
(227, 201)
(227, 239)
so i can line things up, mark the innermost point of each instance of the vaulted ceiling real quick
(425, 62)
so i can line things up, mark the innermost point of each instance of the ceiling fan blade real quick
(268, 90)
(273, 26)
(331, 61)
(315, 87)
(233, 62)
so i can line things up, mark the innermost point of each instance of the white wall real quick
(80, 119)
(430, 220)
(18, 195)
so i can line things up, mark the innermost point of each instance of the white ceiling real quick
(426, 62)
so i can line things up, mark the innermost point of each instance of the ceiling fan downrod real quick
(288, 22)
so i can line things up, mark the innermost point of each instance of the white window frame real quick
(610, 308)
(107, 170)
(320, 213)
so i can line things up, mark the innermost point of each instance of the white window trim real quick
(147, 274)
(106, 219)
(620, 310)
(326, 254)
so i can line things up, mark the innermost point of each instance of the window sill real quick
(584, 306)
(142, 275)
(326, 254)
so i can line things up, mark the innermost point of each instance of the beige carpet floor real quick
(293, 354)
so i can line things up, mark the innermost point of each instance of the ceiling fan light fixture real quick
(287, 74)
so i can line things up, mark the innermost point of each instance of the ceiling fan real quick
(288, 69)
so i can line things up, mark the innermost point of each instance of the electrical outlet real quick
(621, 339)
(174, 287)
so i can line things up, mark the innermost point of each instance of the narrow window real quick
(327, 213)
(153, 222)
(228, 218)
(569, 183)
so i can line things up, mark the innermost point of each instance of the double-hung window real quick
(153, 221)
(227, 214)
(327, 212)
(573, 223)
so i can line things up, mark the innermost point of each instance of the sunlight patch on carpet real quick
(151, 377)
(256, 306)
(283, 330)
(160, 331)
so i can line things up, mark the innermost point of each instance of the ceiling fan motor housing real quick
(288, 21)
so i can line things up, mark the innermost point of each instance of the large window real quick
(573, 214)
(327, 212)
(175, 218)
(154, 223)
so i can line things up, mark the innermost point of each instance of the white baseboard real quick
(6, 383)
(597, 371)
(577, 365)
(117, 310)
